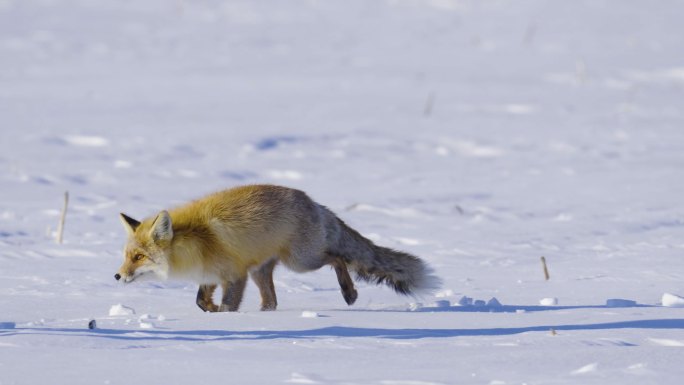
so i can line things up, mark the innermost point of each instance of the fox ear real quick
(162, 231)
(129, 223)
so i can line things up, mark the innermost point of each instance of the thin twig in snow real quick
(62, 218)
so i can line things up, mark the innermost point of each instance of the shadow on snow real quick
(336, 332)
(515, 308)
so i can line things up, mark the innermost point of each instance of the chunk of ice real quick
(120, 309)
(309, 314)
(672, 300)
(552, 301)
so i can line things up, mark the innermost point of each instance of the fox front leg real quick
(204, 298)
(232, 294)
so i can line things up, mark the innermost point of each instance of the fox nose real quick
(117, 276)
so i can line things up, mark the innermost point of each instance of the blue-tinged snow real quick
(480, 135)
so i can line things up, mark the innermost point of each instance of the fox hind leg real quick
(263, 277)
(204, 298)
(232, 294)
(346, 283)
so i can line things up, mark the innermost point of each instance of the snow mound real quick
(467, 301)
(310, 314)
(86, 141)
(586, 369)
(146, 325)
(551, 301)
(119, 309)
(667, 342)
(672, 300)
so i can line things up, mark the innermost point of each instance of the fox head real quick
(147, 249)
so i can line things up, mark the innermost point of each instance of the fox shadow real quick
(516, 308)
(494, 308)
(338, 332)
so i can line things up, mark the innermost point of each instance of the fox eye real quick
(138, 257)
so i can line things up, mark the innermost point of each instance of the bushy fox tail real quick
(403, 272)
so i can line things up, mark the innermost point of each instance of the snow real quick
(120, 309)
(590, 368)
(310, 314)
(672, 300)
(479, 135)
(550, 301)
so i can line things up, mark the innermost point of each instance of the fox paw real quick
(350, 296)
(207, 307)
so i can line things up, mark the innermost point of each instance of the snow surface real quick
(480, 135)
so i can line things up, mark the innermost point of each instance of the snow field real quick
(477, 135)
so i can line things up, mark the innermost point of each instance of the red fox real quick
(226, 236)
